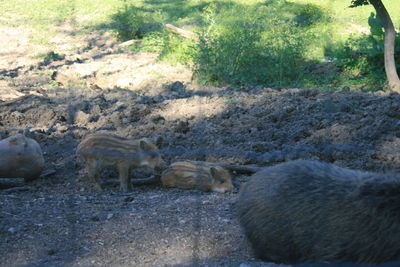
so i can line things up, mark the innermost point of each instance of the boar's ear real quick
(144, 145)
(215, 174)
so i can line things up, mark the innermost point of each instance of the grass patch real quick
(308, 43)
(43, 15)
(51, 56)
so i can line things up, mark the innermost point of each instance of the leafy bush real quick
(309, 14)
(269, 43)
(133, 23)
(259, 46)
(50, 57)
(178, 50)
(362, 56)
(228, 46)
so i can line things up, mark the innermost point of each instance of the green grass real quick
(43, 15)
(269, 42)
(293, 37)
(51, 56)
(358, 15)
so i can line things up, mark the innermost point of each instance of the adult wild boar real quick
(309, 211)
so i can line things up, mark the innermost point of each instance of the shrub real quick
(133, 23)
(259, 46)
(362, 56)
(228, 46)
(271, 43)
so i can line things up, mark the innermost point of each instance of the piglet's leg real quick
(93, 169)
(124, 177)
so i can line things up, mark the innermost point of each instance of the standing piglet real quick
(309, 211)
(197, 175)
(101, 150)
(20, 157)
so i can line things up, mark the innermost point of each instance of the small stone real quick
(96, 110)
(157, 118)
(95, 218)
(11, 230)
(128, 199)
(109, 216)
(182, 127)
(51, 252)
(81, 118)
(177, 86)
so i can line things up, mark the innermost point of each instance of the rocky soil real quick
(59, 220)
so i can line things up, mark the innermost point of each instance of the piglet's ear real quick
(213, 172)
(216, 175)
(144, 145)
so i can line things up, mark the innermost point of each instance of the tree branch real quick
(184, 33)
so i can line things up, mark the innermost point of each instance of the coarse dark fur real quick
(309, 211)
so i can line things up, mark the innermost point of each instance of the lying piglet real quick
(197, 175)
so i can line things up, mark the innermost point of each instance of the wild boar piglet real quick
(104, 150)
(197, 175)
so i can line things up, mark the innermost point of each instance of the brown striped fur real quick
(197, 175)
(101, 150)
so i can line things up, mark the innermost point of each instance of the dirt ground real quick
(59, 220)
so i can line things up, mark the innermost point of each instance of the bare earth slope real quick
(59, 220)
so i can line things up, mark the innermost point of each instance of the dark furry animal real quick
(309, 211)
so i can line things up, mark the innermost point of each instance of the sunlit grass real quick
(43, 15)
(358, 15)
(322, 38)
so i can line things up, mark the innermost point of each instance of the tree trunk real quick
(390, 35)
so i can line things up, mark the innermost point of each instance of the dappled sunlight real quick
(151, 225)
(21, 52)
(388, 150)
(197, 107)
(139, 71)
(66, 73)
(334, 134)
(153, 233)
